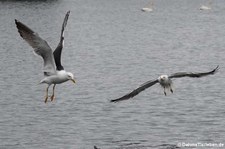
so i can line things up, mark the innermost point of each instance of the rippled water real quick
(112, 47)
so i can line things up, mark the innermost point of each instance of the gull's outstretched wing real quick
(195, 75)
(136, 91)
(58, 50)
(39, 45)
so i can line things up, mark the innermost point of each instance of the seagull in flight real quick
(165, 81)
(54, 72)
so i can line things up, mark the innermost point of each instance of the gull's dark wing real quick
(136, 91)
(95, 147)
(39, 45)
(58, 50)
(194, 75)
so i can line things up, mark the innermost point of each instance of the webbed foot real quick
(46, 99)
(52, 97)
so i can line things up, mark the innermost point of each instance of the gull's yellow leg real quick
(46, 96)
(53, 94)
(171, 89)
(164, 91)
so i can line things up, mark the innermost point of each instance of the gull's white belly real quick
(58, 78)
(55, 79)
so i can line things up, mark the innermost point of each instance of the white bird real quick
(165, 81)
(148, 7)
(204, 7)
(53, 70)
(145, 9)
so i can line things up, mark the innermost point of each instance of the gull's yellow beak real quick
(73, 80)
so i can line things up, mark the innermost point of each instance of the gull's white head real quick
(163, 78)
(165, 82)
(70, 76)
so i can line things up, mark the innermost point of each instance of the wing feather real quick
(195, 75)
(58, 50)
(39, 45)
(136, 91)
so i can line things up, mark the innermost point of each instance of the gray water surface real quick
(112, 47)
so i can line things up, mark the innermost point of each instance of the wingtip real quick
(216, 69)
(119, 99)
(217, 66)
(114, 100)
(16, 21)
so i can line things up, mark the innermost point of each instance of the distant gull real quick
(146, 9)
(53, 70)
(149, 7)
(204, 7)
(165, 81)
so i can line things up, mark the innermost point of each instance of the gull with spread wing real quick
(165, 81)
(53, 70)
